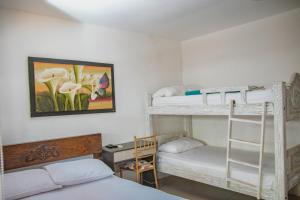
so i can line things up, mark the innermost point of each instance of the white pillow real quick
(180, 145)
(26, 183)
(165, 92)
(79, 171)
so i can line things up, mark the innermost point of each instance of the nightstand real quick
(114, 157)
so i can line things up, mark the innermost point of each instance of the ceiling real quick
(174, 19)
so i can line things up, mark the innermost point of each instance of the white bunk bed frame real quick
(285, 107)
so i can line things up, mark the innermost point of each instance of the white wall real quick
(257, 53)
(142, 63)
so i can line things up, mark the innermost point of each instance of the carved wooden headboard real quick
(34, 153)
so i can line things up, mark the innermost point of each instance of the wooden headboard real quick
(34, 153)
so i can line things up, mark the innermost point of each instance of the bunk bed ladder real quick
(260, 145)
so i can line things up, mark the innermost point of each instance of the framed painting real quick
(66, 87)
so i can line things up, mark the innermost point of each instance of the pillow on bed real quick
(79, 171)
(180, 145)
(165, 92)
(27, 183)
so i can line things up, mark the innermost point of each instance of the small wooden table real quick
(114, 157)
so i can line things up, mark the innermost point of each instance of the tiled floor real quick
(197, 191)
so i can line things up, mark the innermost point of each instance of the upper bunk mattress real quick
(256, 96)
(210, 160)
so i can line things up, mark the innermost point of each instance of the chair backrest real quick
(145, 146)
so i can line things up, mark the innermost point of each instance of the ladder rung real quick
(242, 182)
(245, 120)
(244, 142)
(243, 163)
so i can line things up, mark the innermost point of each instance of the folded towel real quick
(192, 92)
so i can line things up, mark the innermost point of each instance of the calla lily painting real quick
(63, 87)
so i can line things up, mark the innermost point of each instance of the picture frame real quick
(68, 87)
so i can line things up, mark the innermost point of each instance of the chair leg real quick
(137, 177)
(121, 173)
(141, 178)
(155, 177)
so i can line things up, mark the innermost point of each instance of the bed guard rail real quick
(224, 90)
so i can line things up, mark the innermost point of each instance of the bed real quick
(211, 161)
(190, 158)
(18, 156)
(280, 102)
(108, 188)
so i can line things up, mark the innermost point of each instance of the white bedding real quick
(110, 188)
(211, 161)
(256, 96)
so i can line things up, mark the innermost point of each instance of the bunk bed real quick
(282, 102)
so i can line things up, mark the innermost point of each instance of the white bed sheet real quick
(211, 161)
(111, 188)
(256, 96)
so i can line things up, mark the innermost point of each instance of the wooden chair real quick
(145, 158)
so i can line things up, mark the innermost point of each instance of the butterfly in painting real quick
(103, 84)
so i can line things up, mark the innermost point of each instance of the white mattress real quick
(211, 161)
(256, 96)
(111, 188)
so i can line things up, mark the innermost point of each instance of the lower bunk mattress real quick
(211, 161)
